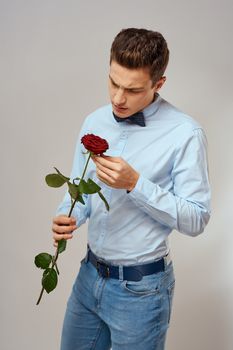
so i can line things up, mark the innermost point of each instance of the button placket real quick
(108, 192)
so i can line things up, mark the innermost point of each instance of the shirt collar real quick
(152, 107)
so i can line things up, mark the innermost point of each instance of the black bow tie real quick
(137, 118)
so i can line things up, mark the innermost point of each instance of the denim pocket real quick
(141, 287)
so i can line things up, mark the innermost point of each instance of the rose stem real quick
(70, 212)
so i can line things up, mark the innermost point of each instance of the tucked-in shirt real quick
(172, 191)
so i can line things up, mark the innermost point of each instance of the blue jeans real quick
(106, 313)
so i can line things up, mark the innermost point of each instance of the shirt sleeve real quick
(81, 212)
(186, 207)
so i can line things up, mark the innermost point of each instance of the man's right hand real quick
(62, 228)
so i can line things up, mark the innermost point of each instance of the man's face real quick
(130, 89)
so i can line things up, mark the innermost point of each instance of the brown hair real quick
(141, 48)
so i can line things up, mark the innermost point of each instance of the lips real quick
(120, 109)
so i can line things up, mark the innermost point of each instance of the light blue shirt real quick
(172, 192)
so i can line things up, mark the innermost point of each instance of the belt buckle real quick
(103, 269)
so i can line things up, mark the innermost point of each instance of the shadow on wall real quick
(201, 316)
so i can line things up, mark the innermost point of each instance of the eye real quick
(113, 84)
(133, 92)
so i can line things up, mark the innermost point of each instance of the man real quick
(155, 179)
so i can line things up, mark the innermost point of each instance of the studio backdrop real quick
(54, 62)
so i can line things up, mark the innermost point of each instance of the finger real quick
(63, 229)
(112, 159)
(103, 176)
(59, 236)
(64, 220)
(107, 163)
(106, 179)
(107, 171)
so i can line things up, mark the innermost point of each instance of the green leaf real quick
(54, 180)
(49, 280)
(62, 246)
(104, 199)
(83, 186)
(80, 199)
(43, 260)
(61, 175)
(74, 192)
(93, 186)
(88, 187)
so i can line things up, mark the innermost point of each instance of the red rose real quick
(94, 143)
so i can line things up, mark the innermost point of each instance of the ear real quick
(160, 83)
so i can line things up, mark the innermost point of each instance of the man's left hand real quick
(115, 172)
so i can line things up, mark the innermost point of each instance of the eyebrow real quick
(128, 89)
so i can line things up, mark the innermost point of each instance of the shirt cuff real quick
(134, 186)
(142, 189)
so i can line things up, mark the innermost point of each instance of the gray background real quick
(54, 66)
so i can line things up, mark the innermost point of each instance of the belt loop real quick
(121, 273)
(87, 254)
(167, 259)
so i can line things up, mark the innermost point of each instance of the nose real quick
(119, 97)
